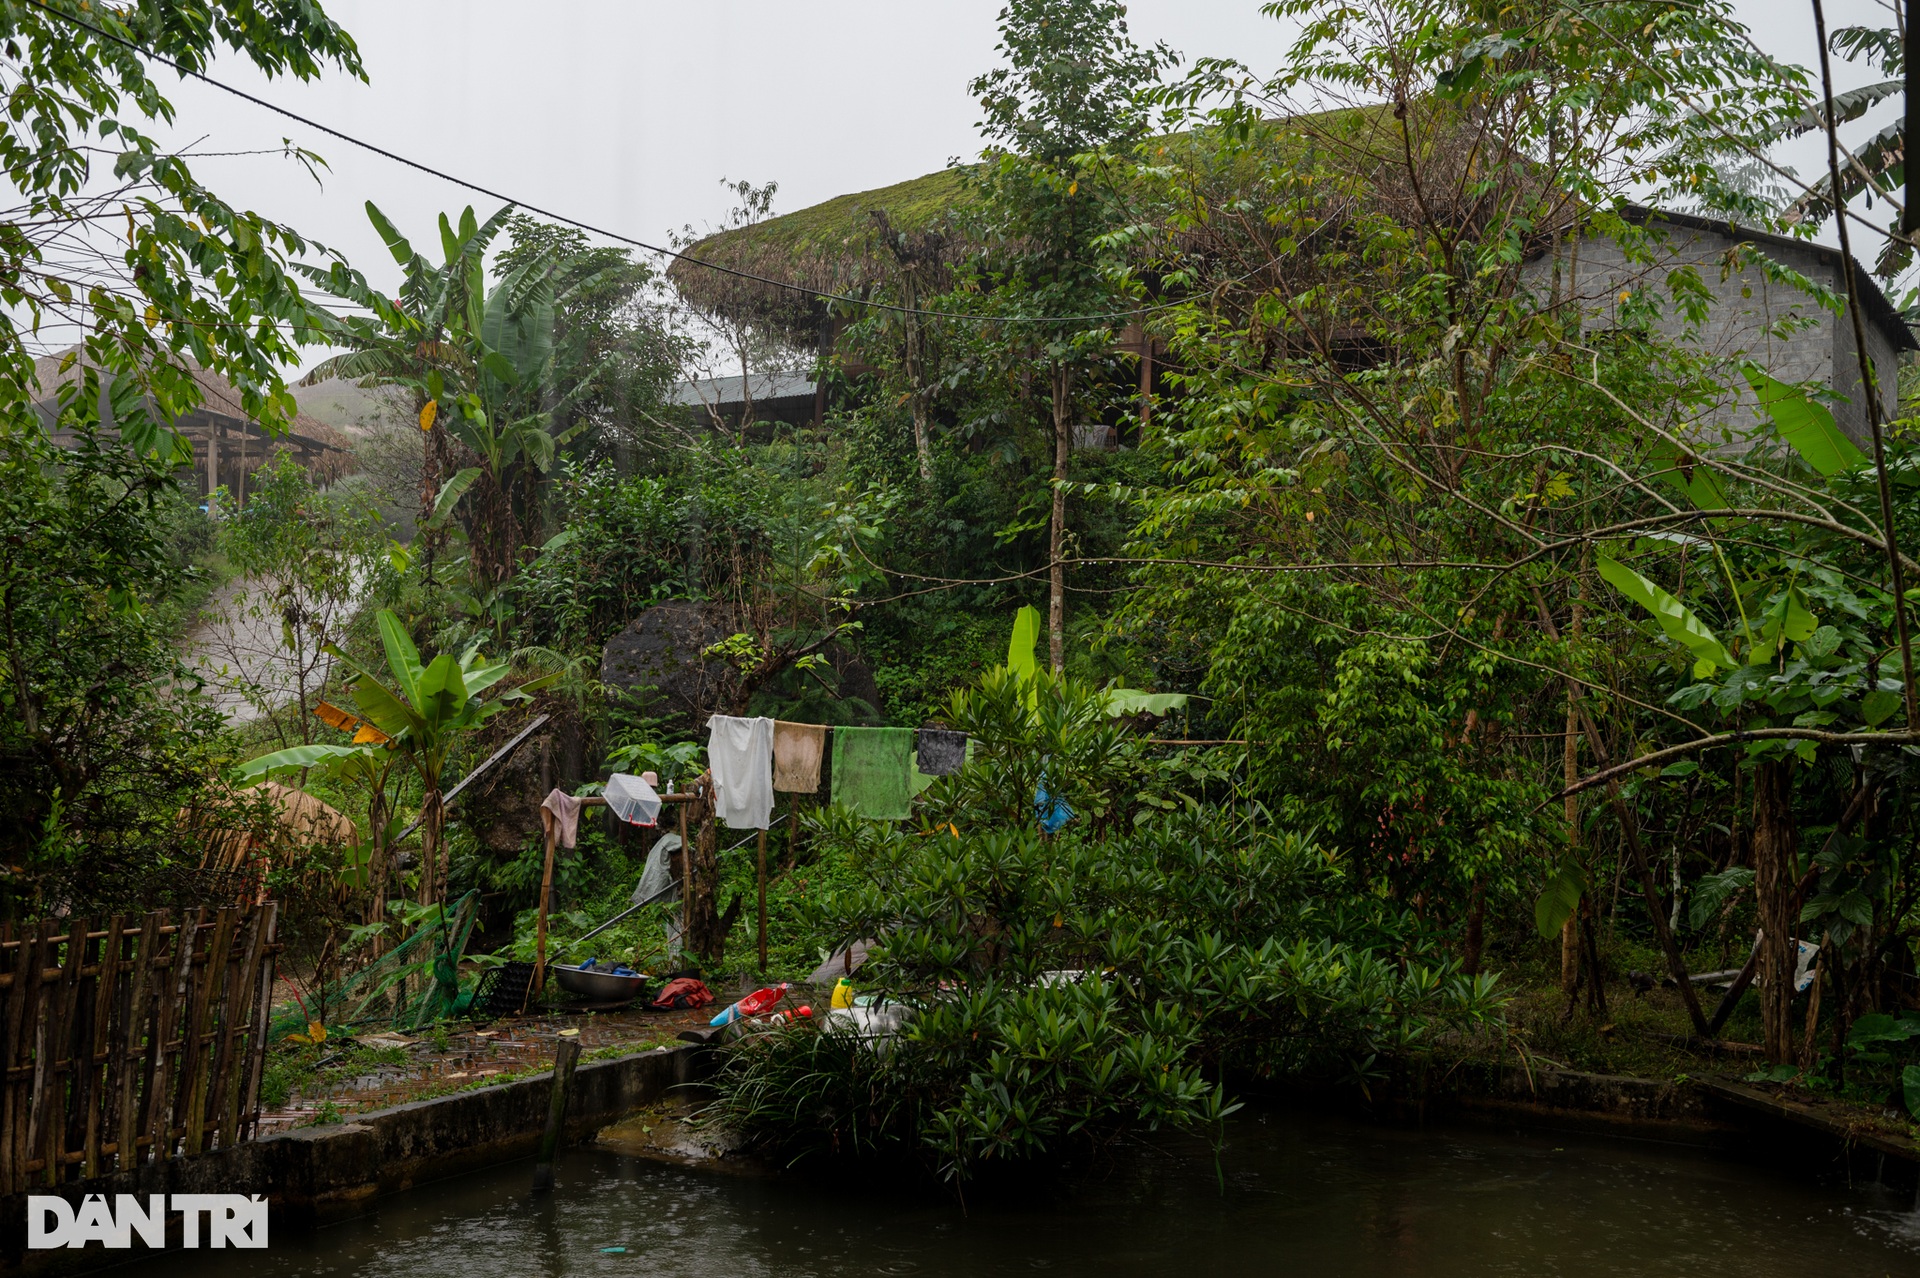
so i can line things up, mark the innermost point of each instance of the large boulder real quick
(657, 660)
(502, 808)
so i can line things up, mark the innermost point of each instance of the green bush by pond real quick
(1064, 991)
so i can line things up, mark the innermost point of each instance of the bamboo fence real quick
(135, 1042)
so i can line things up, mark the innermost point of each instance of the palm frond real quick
(1882, 157)
(1848, 106)
(1880, 44)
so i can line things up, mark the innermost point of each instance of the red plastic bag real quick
(760, 1000)
(681, 994)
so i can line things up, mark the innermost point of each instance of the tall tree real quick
(193, 280)
(1403, 432)
(112, 236)
(1073, 88)
(610, 332)
(481, 364)
(412, 339)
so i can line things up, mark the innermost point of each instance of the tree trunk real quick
(1676, 965)
(1569, 937)
(746, 394)
(706, 934)
(1057, 526)
(1596, 972)
(377, 865)
(1476, 928)
(1570, 770)
(1775, 884)
(494, 536)
(916, 380)
(922, 434)
(432, 822)
(1649, 891)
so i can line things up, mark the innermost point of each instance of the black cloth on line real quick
(941, 752)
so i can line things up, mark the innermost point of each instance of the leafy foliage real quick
(1065, 991)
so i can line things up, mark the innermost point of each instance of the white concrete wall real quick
(1751, 317)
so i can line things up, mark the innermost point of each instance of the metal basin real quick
(601, 987)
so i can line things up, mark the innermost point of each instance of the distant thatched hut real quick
(250, 829)
(228, 445)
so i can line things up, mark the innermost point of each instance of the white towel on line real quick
(740, 754)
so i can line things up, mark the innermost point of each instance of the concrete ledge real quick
(1710, 1113)
(319, 1174)
(1604, 1104)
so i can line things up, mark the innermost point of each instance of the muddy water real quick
(1303, 1195)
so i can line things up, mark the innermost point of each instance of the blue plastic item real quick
(1051, 810)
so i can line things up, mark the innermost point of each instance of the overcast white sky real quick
(627, 115)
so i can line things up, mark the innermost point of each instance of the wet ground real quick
(355, 1073)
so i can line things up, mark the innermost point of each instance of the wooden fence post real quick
(566, 1055)
(111, 1040)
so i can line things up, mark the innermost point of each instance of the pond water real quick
(1304, 1194)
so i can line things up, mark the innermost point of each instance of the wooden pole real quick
(546, 879)
(1146, 379)
(686, 880)
(793, 830)
(540, 932)
(565, 1057)
(763, 902)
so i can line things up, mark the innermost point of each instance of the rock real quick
(670, 1132)
(656, 659)
(503, 807)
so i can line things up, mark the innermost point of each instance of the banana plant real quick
(480, 364)
(367, 762)
(504, 413)
(427, 713)
(1870, 166)
(416, 338)
(1023, 663)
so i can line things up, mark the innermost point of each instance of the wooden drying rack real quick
(546, 874)
(694, 792)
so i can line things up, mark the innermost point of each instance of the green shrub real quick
(1196, 948)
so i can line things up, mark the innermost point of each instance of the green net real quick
(415, 983)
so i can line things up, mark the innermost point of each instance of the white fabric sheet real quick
(740, 753)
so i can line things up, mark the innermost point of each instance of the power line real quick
(1843, 209)
(576, 223)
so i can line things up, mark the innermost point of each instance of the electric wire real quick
(566, 220)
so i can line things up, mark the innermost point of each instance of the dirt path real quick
(238, 647)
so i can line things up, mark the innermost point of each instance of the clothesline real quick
(876, 772)
(1208, 741)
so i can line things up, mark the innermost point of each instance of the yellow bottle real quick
(843, 993)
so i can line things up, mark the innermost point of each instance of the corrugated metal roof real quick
(723, 391)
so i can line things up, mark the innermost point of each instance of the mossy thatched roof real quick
(833, 247)
(838, 246)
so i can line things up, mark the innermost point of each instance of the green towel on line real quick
(873, 771)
